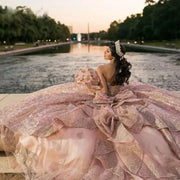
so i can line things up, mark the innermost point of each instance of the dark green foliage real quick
(159, 21)
(22, 25)
(103, 35)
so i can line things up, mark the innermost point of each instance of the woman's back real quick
(108, 71)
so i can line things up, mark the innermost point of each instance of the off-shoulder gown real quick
(66, 132)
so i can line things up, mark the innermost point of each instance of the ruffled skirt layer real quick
(65, 132)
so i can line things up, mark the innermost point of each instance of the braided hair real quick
(122, 73)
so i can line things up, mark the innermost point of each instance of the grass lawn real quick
(20, 46)
(2, 47)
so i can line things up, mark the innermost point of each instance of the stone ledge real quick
(10, 99)
(8, 164)
(12, 176)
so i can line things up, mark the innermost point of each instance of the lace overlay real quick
(87, 77)
(67, 132)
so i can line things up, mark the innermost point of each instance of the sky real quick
(79, 13)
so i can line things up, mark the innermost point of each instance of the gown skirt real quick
(68, 132)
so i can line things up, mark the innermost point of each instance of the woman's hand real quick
(103, 90)
(95, 89)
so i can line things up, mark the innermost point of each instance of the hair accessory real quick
(118, 48)
(121, 57)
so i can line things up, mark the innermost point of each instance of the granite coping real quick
(31, 49)
(10, 99)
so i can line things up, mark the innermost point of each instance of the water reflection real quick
(28, 73)
(58, 49)
(71, 48)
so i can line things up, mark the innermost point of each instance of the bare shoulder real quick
(101, 68)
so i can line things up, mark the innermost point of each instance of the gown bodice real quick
(87, 77)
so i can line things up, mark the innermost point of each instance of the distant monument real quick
(88, 34)
(79, 37)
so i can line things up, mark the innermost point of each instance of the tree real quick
(159, 21)
(22, 24)
(149, 2)
(113, 30)
(102, 35)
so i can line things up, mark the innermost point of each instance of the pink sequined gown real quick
(65, 132)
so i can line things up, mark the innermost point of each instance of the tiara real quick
(118, 48)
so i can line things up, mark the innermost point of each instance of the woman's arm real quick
(94, 90)
(102, 79)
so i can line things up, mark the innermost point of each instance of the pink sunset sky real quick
(78, 13)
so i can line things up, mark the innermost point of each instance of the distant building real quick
(70, 29)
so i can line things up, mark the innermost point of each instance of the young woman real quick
(96, 128)
(116, 72)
